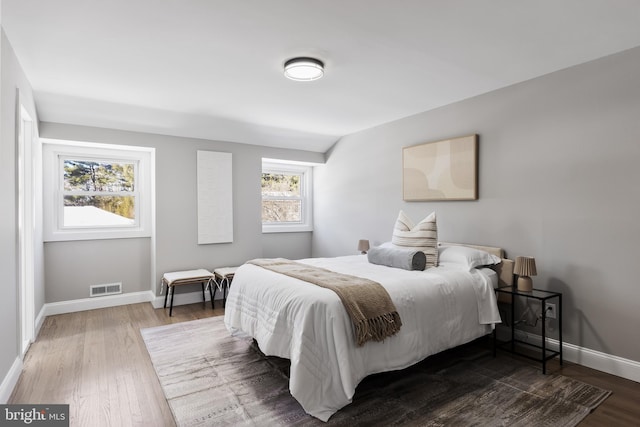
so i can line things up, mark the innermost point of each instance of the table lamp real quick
(525, 268)
(363, 246)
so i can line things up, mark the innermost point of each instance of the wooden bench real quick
(188, 277)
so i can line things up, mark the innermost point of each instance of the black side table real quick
(542, 296)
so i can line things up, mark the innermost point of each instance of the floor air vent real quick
(106, 289)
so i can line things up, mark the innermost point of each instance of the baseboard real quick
(10, 381)
(72, 306)
(183, 299)
(619, 366)
(614, 365)
(38, 322)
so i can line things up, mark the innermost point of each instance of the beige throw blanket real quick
(373, 314)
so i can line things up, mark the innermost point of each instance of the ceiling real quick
(213, 68)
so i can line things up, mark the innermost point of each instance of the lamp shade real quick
(303, 69)
(525, 266)
(363, 246)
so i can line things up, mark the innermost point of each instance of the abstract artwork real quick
(441, 170)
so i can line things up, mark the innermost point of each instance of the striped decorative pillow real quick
(423, 236)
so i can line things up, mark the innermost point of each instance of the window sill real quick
(95, 235)
(266, 229)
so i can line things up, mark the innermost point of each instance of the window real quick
(99, 193)
(286, 197)
(96, 191)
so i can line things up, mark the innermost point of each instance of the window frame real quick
(54, 154)
(306, 195)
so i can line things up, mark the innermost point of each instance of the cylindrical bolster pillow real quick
(407, 259)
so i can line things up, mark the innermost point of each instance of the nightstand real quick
(544, 297)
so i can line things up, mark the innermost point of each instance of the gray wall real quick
(12, 78)
(70, 267)
(558, 180)
(286, 245)
(176, 221)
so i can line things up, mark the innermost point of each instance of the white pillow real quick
(422, 236)
(466, 257)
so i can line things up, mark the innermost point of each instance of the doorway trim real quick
(26, 179)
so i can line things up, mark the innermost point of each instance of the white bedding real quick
(440, 308)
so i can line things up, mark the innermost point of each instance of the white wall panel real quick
(215, 197)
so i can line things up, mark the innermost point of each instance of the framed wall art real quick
(441, 170)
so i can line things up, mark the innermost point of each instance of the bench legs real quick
(209, 285)
(224, 283)
(171, 289)
(211, 292)
(173, 292)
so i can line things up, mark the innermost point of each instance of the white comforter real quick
(440, 308)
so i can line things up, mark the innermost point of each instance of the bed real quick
(440, 308)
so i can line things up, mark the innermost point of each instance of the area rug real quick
(211, 378)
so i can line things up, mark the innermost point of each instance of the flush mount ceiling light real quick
(303, 69)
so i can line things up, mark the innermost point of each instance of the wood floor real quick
(96, 361)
